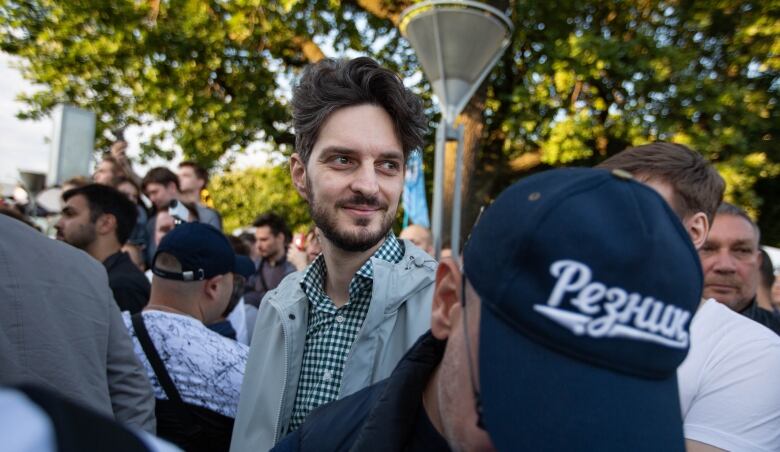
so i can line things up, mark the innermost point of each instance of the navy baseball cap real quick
(203, 251)
(588, 283)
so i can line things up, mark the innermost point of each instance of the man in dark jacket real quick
(99, 219)
(563, 331)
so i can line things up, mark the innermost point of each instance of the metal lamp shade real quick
(457, 43)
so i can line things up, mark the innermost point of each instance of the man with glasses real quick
(562, 331)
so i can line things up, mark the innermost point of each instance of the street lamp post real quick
(457, 43)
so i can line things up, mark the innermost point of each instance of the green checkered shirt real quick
(331, 331)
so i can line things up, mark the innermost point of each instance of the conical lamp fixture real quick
(457, 44)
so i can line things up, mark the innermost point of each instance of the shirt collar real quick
(313, 279)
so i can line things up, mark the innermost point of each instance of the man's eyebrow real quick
(338, 150)
(392, 155)
(350, 152)
(742, 242)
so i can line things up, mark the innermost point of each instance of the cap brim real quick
(243, 266)
(536, 399)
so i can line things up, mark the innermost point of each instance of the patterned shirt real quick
(206, 368)
(331, 330)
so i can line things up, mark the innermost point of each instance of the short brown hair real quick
(200, 172)
(162, 176)
(697, 185)
(330, 85)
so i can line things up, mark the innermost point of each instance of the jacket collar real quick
(394, 281)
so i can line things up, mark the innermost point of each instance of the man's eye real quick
(341, 160)
(391, 165)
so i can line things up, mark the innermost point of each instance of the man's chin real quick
(357, 239)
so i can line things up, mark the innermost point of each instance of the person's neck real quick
(430, 401)
(342, 266)
(158, 302)
(764, 299)
(190, 197)
(103, 247)
(274, 260)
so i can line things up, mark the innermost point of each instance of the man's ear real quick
(698, 227)
(211, 288)
(446, 298)
(105, 224)
(298, 175)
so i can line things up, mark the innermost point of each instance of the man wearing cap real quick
(193, 270)
(348, 318)
(562, 332)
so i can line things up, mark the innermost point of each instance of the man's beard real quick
(82, 238)
(359, 241)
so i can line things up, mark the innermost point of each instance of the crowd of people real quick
(623, 307)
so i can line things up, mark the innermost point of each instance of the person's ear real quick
(446, 298)
(105, 224)
(298, 175)
(698, 226)
(212, 285)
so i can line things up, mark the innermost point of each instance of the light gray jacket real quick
(399, 312)
(61, 329)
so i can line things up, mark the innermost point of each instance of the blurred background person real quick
(107, 171)
(193, 180)
(765, 282)
(98, 219)
(420, 236)
(139, 238)
(249, 239)
(271, 238)
(304, 249)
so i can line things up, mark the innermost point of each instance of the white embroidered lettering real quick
(626, 315)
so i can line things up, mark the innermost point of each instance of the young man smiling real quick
(346, 320)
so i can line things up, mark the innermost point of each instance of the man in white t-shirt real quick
(729, 394)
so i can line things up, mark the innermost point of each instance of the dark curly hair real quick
(332, 84)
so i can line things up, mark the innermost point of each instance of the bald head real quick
(420, 236)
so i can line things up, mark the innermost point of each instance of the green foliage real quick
(581, 80)
(240, 196)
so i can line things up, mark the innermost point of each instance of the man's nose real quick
(365, 181)
(724, 262)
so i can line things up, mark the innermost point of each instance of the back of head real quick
(160, 175)
(105, 200)
(587, 281)
(697, 185)
(330, 84)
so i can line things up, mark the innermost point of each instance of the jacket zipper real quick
(284, 384)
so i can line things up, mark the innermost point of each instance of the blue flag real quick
(415, 204)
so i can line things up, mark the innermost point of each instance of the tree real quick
(581, 80)
(240, 196)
